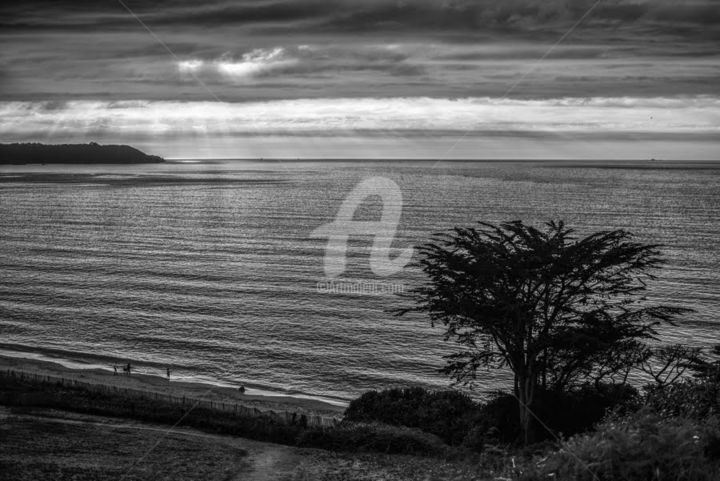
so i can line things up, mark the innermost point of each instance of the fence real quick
(239, 409)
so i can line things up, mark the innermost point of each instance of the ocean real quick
(210, 266)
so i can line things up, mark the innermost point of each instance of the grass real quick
(45, 444)
(331, 466)
(640, 446)
(38, 450)
(644, 445)
(350, 451)
(353, 437)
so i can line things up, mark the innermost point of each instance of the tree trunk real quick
(525, 393)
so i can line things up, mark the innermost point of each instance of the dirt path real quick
(271, 464)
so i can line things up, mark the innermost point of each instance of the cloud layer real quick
(375, 15)
(274, 49)
(632, 69)
(609, 117)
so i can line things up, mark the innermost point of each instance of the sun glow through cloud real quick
(622, 115)
(254, 63)
(520, 127)
(190, 65)
(251, 64)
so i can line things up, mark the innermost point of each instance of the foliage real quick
(706, 365)
(318, 465)
(692, 398)
(375, 437)
(447, 414)
(562, 413)
(475, 438)
(668, 364)
(643, 446)
(559, 311)
(25, 393)
(675, 394)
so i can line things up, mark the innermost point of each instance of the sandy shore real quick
(156, 384)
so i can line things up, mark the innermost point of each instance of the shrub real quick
(349, 436)
(691, 398)
(580, 410)
(642, 446)
(25, 393)
(447, 414)
(475, 439)
(564, 413)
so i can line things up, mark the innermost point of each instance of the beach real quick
(164, 387)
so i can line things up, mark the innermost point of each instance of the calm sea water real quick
(210, 268)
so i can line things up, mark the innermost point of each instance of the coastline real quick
(161, 386)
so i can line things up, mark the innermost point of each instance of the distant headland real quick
(92, 153)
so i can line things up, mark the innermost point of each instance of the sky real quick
(437, 79)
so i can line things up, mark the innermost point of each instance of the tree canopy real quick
(556, 309)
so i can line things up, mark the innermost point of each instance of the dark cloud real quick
(91, 49)
(363, 15)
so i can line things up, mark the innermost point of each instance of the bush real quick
(475, 439)
(691, 398)
(25, 393)
(642, 446)
(447, 414)
(564, 413)
(349, 436)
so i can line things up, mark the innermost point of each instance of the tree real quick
(705, 364)
(668, 364)
(555, 309)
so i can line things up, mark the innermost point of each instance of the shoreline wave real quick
(82, 361)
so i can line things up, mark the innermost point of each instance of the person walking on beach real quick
(168, 373)
(115, 368)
